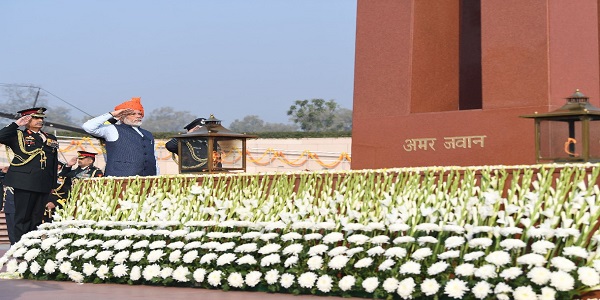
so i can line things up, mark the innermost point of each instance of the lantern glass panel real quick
(231, 150)
(560, 141)
(194, 155)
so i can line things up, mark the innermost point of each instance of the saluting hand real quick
(121, 112)
(22, 121)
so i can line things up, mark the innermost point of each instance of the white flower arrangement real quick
(377, 234)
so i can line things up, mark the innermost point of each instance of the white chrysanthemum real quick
(166, 272)
(562, 281)
(317, 250)
(473, 255)
(510, 244)
(49, 266)
(350, 252)
(398, 227)
(22, 267)
(315, 263)
(428, 227)
(253, 278)
(141, 244)
(192, 245)
(199, 275)
(122, 244)
(136, 273)
(272, 276)
(104, 255)
(76, 276)
(333, 237)
(486, 272)
(547, 294)
(482, 289)
(109, 244)
(291, 261)
(176, 245)
(214, 278)
(370, 284)
(588, 276)
(456, 288)
(155, 255)
(246, 260)
(49, 242)
(80, 243)
(268, 236)
(358, 239)
(410, 267)
(13, 265)
(531, 259)
(380, 240)
(89, 269)
(62, 254)
(403, 239)
(313, 236)
(437, 268)
(293, 249)
(377, 250)
(386, 265)
(563, 264)
(102, 271)
(246, 248)
(363, 263)
(482, 243)
(181, 274)
(338, 262)
(270, 260)
(524, 293)
(511, 273)
(449, 254)
(235, 280)
(35, 267)
(208, 257)
(287, 280)
(291, 236)
(575, 251)
(542, 247)
(120, 270)
(426, 240)
(390, 284)
(65, 267)
(307, 279)
(421, 253)
(539, 275)
(340, 250)
(502, 288)
(347, 282)
(224, 259)
(397, 252)
(269, 248)
(498, 258)
(31, 254)
(465, 270)
(190, 256)
(325, 283)
(225, 247)
(406, 287)
(151, 271)
(430, 287)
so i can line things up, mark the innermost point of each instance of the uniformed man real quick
(195, 152)
(33, 169)
(85, 169)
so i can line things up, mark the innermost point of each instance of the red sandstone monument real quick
(444, 82)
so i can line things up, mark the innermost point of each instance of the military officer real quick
(85, 169)
(33, 169)
(194, 153)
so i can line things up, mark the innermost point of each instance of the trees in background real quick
(253, 123)
(320, 115)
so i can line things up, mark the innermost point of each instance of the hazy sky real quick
(231, 58)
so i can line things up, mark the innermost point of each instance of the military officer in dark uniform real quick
(85, 169)
(33, 169)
